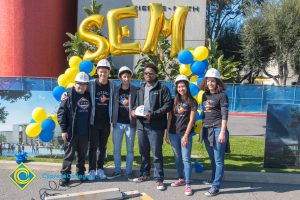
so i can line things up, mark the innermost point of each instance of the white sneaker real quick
(91, 176)
(100, 174)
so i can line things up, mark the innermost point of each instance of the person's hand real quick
(133, 114)
(64, 136)
(184, 140)
(221, 138)
(64, 96)
(167, 139)
(148, 116)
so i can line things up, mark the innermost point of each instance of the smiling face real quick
(181, 89)
(125, 78)
(81, 87)
(149, 75)
(103, 74)
(211, 84)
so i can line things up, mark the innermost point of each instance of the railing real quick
(242, 98)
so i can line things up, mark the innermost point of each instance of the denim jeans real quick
(216, 155)
(182, 153)
(149, 138)
(118, 132)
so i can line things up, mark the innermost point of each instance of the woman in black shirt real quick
(214, 131)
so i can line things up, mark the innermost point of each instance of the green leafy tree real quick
(278, 23)
(168, 67)
(3, 139)
(227, 67)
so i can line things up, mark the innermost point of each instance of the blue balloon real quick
(194, 89)
(46, 136)
(58, 91)
(199, 68)
(32, 121)
(185, 57)
(48, 125)
(86, 66)
(197, 117)
(90, 78)
(199, 80)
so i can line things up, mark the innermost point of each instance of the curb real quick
(235, 176)
(238, 114)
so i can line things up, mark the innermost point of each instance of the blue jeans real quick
(118, 132)
(151, 139)
(216, 155)
(182, 153)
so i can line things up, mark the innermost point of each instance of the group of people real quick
(91, 108)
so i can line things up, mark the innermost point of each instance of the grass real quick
(247, 154)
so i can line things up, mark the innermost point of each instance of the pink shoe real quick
(188, 190)
(179, 182)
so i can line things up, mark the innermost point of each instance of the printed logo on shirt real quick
(124, 101)
(181, 108)
(102, 98)
(83, 103)
(208, 105)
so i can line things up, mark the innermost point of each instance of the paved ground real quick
(231, 190)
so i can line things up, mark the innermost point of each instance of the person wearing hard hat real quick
(101, 90)
(123, 122)
(214, 131)
(74, 118)
(155, 98)
(180, 126)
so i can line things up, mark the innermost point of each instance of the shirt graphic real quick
(124, 100)
(208, 105)
(83, 104)
(102, 98)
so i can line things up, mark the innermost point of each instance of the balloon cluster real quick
(41, 125)
(21, 157)
(67, 79)
(194, 64)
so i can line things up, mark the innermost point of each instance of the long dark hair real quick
(220, 87)
(178, 98)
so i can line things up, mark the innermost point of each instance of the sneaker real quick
(92, 175)
(64, 182)
(179, 182)
(160, 186)
(101, 174)
(130, 177)
(141, 179)
(81, 177)
(207, 182)
(114, 175)
(211, 192)
(188, 190)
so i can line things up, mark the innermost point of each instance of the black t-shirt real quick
(215, 107)
(102, 105)
(181, 116)
(81, 123)
(123, 113)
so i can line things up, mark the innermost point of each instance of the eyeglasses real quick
(148, 73)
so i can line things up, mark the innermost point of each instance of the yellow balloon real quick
(54, 118)
(178, 27)
(74, 61)
(194, 79)
(33, 129)
(93, 72)
(191, 49)
(198, 126)
(72, 84)
(199, 97)
(62, 81)
(116, 33)
(70, 74)
(200, 53)
(100, 42)
(185, 70)
(39, 114)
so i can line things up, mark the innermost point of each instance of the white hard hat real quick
(124, 69)
(212, 73)
(181, 78)
(104, 63)
(82, 77)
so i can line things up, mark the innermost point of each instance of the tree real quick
(273, 35)
(227, 67)
(168, 67)
(11, 96)
(219, 13)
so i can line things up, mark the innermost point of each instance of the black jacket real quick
(67, 110)
(160, 104)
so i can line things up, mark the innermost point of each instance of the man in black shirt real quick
(73, 117)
